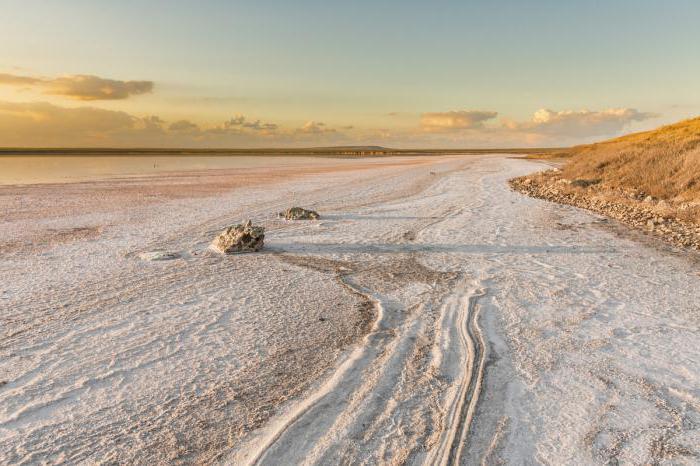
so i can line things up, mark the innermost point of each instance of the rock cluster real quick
(249, 238)
(636, 209)
(240, 238)
(299, 213)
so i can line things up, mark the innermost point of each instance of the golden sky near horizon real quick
(399, 74)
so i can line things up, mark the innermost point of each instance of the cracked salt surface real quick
(356, 338)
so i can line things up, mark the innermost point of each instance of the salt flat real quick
(432, 316)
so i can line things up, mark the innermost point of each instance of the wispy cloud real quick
(478, 128)
(183, 126)
(45, 124)
(455, 120)
(79, 87)
(240, 121)
(314, 127)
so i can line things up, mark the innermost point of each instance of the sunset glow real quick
(409, 74)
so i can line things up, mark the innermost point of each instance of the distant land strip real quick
(351, 151)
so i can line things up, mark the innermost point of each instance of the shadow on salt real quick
(360, 248)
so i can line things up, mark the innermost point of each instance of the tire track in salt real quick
(305, 435)
(333, 391)
(462, 408)
(317, 430)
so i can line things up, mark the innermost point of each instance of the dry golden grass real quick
(663, 163)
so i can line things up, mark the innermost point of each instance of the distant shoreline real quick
(21, 170)
(318, 152)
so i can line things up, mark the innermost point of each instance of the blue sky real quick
(377, 66)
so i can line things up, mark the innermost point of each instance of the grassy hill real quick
(649, 180)
(663, 163)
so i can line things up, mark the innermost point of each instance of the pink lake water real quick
(65, 169)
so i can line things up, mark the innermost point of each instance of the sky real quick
(469, 73)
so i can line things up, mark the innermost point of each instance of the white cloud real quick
(583, 123)
(313, 127)
(455, 120)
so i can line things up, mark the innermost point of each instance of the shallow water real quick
(63, 169)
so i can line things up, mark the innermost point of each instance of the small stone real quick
(159, 256)
(299, 213)
(582, 183)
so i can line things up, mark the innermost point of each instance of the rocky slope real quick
(632, 207)
(648, 180)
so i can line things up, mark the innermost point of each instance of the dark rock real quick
(581, 183)
(299, 213)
